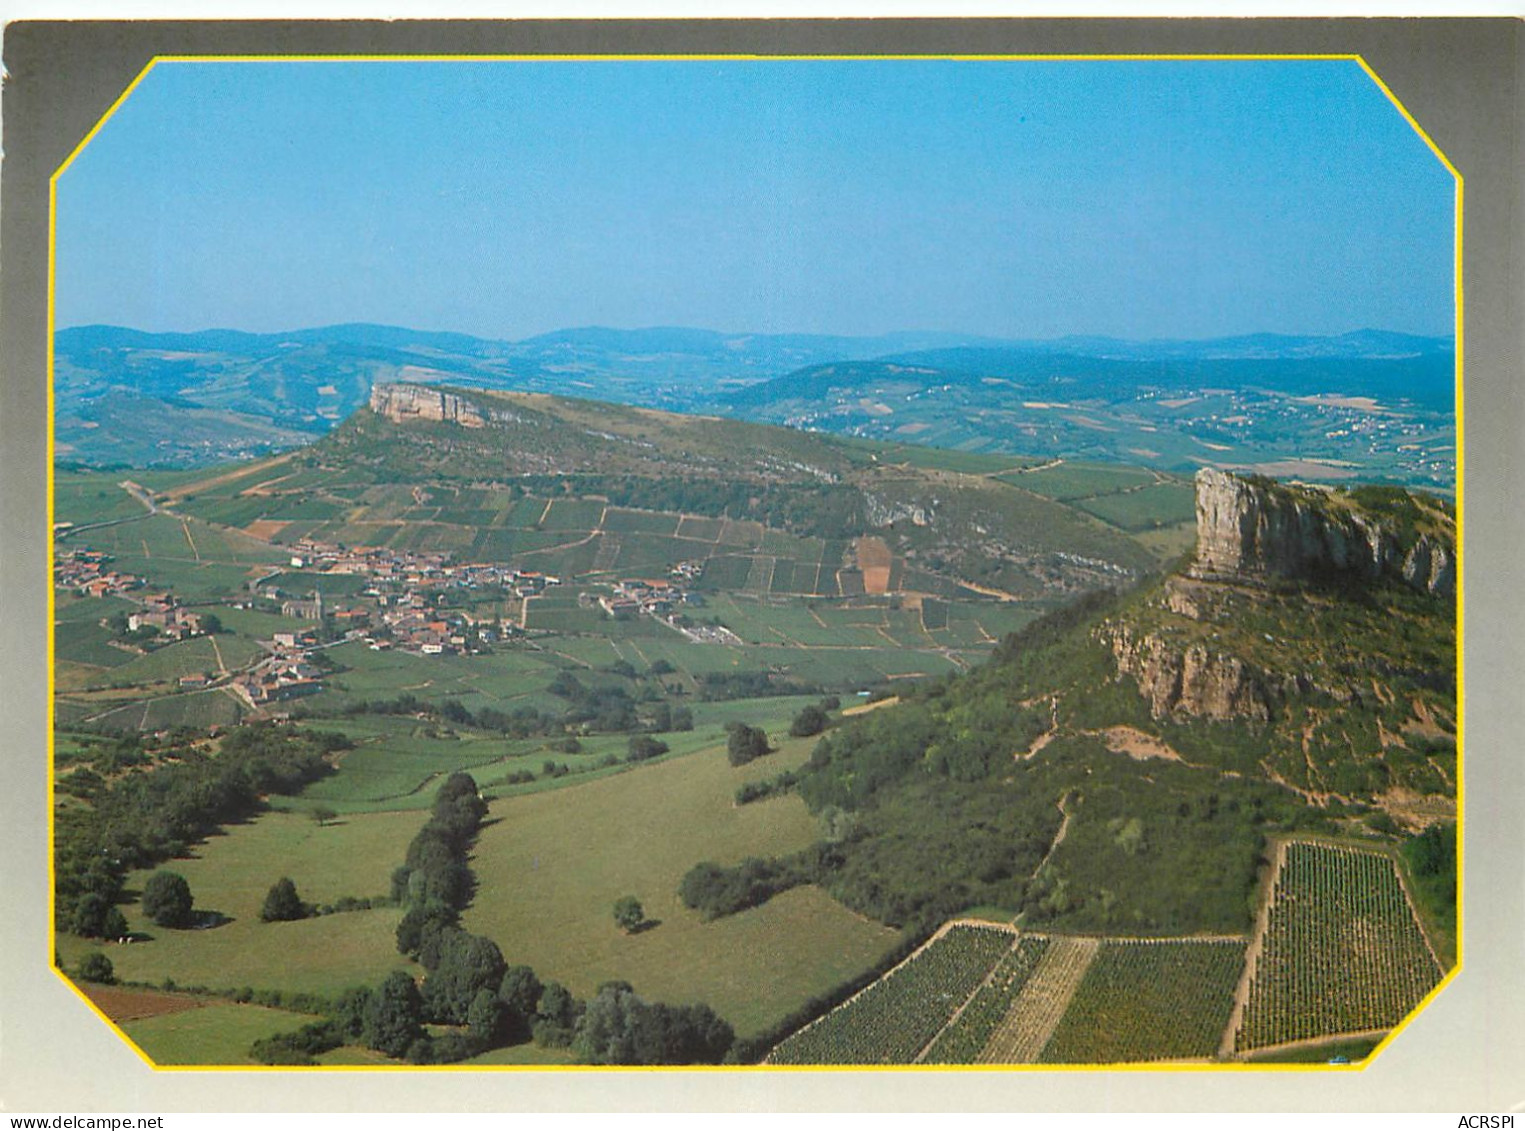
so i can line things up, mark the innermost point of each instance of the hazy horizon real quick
(733, 332)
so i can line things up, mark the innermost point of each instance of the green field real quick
(1147, 508)
(217, 1033)
(196, 561)
(200, 709)
(1066, 482)
(93, 497)
(231, 874)
(551, 865)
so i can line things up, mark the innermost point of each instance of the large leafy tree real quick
(167, 899)
(392, 1017)
(467, 965)
(745, 743)
(95, 917)
(282, 903)
(629, 913)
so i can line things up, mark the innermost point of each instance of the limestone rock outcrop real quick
(1193, 680)
(402, 403)
(1249, 530)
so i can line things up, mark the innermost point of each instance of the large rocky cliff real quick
(401, 403)
(1191, 650)
(1249, 530)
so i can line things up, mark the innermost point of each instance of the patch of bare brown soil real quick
(875, 560)
(1415, 811)
(265, 528)
(121, 1004)
(1138, 745)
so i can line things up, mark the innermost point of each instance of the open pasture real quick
(399, 760)
(624, 521)
(394, 763)
(500, 679)
(551, 865)
(185, 657)
(199, 709)
(80, 640)
(1065, 481)
(190, 558)
(216, 1033)
(86, 497)
(231, 873)
(574, 514)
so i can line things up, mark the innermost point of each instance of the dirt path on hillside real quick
(985, 590)
(1047, 736)
(1064, 827)
(185, 528)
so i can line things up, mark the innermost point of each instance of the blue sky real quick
(1009, 198)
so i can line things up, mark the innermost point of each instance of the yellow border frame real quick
(1216, 1067)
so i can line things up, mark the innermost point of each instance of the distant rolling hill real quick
(275, 388)
(1370, 404)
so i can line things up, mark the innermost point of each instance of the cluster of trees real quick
(1431, 858)
(522, 722)
(643, 748)
(156, 813)
(714, 891)
(619, 1027)
(474, 1002)
(778, 784)
(629, 915)
(745, 743)
(717, 686)
(283, 904)
(810, 722)
(434, 882)
(609, 708)
(167, 900)
(95, 967)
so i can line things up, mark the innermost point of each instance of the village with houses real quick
(405, 606)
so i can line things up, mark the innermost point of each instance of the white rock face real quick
(402, 403)
(1247, 531)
